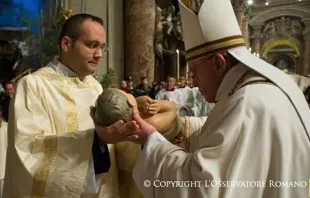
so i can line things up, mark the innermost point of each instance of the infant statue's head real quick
(113, 105)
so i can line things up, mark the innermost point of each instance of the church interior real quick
(145, 39)
(223, 127)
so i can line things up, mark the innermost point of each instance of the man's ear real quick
(66, 43)
(220, 62)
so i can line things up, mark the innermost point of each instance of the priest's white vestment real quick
(50, 137)
(174, 96)
(253, 134)
(201, 107)
(3, 149)
(188, 101)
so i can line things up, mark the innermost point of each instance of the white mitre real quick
(215, 29)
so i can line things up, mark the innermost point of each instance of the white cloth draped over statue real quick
(234, 144)
(51, 135)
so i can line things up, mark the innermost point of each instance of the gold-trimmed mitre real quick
(214, 29)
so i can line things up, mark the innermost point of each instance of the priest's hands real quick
(117, 132)
(144, 131)
(136, 131)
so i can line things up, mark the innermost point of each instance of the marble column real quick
(245, 30)
(256, 40)
(306, 55)
(239, 8)
(139, 39)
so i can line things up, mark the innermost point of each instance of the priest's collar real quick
(64, 70)
(230, 80)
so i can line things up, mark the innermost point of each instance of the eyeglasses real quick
(192, 73)
(94, 45)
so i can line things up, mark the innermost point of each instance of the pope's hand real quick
(117, 132)
(144, 131)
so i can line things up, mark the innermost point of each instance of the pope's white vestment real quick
(50, 137)
(252, 134)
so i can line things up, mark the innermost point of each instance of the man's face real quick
(163, 85)
(206, 77)
(183, 81)
(84, 55)
(145, 82)
(190, 81)
(171, 83)
(9, 89)
(124, 84)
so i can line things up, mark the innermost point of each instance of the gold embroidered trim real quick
(64, 84)
(70, 109)
(41, 174)
(72, 81)
(238, 83)
(187, 134)
(214, 46)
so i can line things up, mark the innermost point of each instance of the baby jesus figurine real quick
(114, 105)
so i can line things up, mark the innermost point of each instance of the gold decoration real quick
(289, 43)
(179, 83)
(189, 5)
(214, 46)
(64, 15)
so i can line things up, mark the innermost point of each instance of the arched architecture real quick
(146, 39)
(280, 35)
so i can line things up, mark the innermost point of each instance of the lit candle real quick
(186, 74)
(178, 64)
(250, 49)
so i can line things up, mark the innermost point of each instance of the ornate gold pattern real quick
(64, 84)
(41, 174)
(276, 43)
(187, 134)
(64, 15)
(238, 83)
(189, 5)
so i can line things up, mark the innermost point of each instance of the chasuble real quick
(51, 137)
(252, 134)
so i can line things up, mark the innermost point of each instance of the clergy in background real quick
(171, 93)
